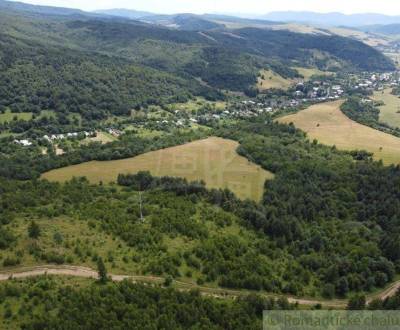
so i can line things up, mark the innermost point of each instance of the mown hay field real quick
(326, 123)
(213, 160)
(390, 112)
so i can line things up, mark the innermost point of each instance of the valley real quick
(191, 170)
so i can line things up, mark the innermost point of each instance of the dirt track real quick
(78, 271)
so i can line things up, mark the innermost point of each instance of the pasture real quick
(326, 123)
(269, 79)
(390, 111)
(213, 160)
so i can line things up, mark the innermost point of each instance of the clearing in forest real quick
(269, 79)
(213, 160)
(390, 111)
(307, 73)
(9, 116)
(326, 123)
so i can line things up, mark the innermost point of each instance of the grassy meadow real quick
(213, 160)
(326, 123)
(307, 73)
(269, 79)
(9, 116)
(102, 137)
(390, 111)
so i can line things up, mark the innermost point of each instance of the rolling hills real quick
(161, 64)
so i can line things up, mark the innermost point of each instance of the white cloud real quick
(390, 7)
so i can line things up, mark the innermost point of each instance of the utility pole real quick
(141, 207)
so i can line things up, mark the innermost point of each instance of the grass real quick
(213, 160)
(307, 73)
(79, 243)
(101, 137)
(269, 79)
(390, 111)
(197, 104)
(326, 123)
(9, 116)
(48, 114)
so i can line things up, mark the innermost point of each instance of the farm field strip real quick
(326, 123)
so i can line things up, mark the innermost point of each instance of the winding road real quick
(85, 272)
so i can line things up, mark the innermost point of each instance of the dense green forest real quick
(45, 303)
(38, 77)
(330, 222)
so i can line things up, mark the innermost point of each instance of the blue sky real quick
(390, 7)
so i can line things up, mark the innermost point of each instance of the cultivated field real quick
(270, 79)
(213, 160)
(390, 112)
(326, 123)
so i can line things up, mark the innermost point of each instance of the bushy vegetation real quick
(337, 217)
(45, 303)
(327, 224)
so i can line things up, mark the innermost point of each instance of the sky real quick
(389, 7)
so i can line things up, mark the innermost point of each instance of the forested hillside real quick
(84, 88)
(103, 66)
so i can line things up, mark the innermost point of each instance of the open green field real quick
(198, 103)
(9, 116)
(213, 160)
(307, 73)
(102, 137)
(269, 79)
(326, 123)
(390, 112)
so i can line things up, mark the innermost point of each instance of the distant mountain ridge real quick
(332, 19)
(125, 13)
(390, 29)
(42, 10)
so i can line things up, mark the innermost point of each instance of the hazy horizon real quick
(242, 8)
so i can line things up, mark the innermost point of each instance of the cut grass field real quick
(213, 160)
(390, 112)
(326, 123)
(269, 79)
